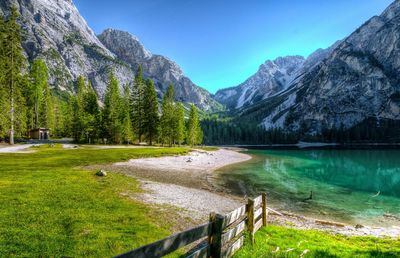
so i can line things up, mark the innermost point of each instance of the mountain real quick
(159, 68)
(356, 80)
(272, 77)
(55, 31)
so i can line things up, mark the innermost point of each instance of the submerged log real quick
(388, 215)
(309, 198)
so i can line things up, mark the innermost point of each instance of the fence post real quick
(250, 219)
(216, 232)
(264, 207)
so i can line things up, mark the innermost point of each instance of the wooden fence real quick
(224, 233)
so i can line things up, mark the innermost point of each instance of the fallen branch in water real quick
(274, 211)
(388, 215)
(330, 223)
(379, 192)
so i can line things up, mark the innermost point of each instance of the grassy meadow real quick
(51, 206)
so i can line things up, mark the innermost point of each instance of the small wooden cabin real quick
(39, 134)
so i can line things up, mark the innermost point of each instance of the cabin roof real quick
(40, 129)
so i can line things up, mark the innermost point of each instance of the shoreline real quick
(183, 182)
(318, 145)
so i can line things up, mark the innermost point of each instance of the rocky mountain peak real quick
(271, 78)
(286, 62)
(58, 17)
(156, 67)
(127, 43)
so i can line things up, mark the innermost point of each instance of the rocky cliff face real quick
(356, 79)
(55, 31)
(159, 68)
(272, 78)
(360, 79)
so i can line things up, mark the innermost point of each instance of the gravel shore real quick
(194, 162)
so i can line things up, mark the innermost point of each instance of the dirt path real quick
(16, 148)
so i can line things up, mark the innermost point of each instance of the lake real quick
(351, 186)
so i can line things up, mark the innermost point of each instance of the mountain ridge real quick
(225, 95)
(272, 77)
(161, 69)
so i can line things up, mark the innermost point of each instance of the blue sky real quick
(220, 43)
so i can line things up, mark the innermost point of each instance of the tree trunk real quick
(37, 114)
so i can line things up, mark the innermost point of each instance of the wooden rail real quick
(225, 234)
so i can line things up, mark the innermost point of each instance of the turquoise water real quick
(352, 186)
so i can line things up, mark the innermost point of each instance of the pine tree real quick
(60, 118)
(180, 124)
(75, 118)
(47, 109)
(3, 100)
(77, 107)
(69, 116)
(38, 76)
(85, 110)
(80, 88)
(167, 121)
(199, 135)
(138, 112)
(13, 63)
(151, 120)
(195, 133)
(111, 111)
(91, 114)
(127, 131)
(170, 93)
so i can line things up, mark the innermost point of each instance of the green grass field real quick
(52, 207)
(275, 241)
